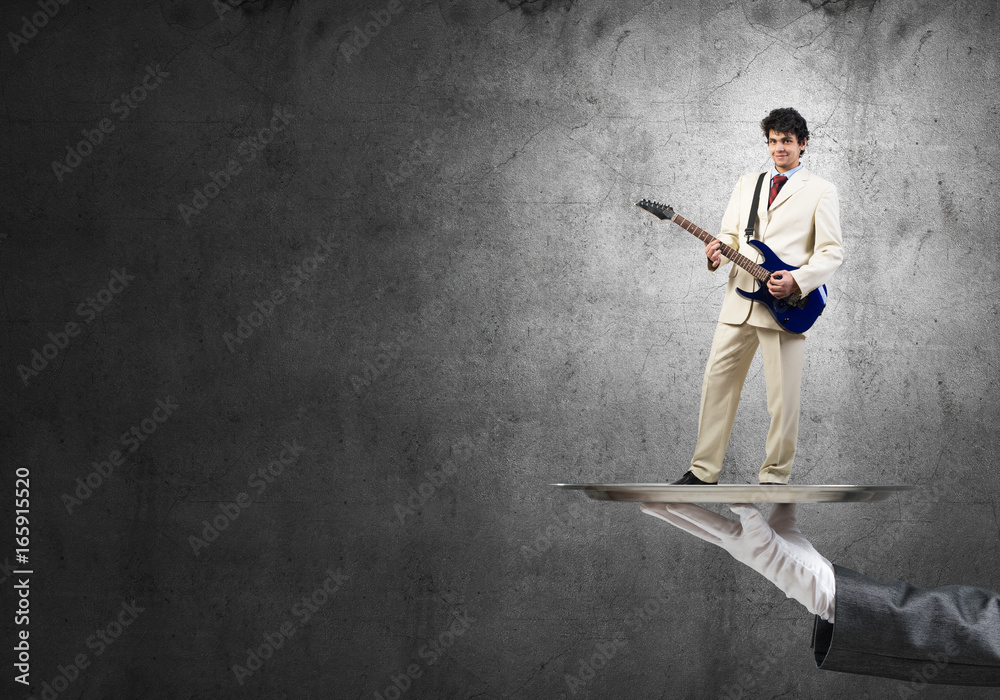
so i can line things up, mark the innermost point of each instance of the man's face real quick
(785, 150)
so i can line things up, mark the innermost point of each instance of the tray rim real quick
(637, 492)
(880, 487)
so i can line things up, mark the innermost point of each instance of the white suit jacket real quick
(802, 227)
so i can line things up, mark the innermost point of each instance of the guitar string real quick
(758, 272)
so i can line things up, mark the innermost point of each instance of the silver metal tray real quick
(736, 493)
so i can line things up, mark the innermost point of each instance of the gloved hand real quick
(774, 548)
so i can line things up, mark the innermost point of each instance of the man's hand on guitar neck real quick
(713, 254)
(781, 284)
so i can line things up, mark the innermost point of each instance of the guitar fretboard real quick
(758, 272)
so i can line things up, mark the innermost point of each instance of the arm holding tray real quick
(948, 635)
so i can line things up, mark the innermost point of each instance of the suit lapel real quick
(791, 187)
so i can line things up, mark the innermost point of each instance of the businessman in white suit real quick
(798, 217)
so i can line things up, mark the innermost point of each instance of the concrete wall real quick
(419, 292)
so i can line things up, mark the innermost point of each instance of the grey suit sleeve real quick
(943, 635)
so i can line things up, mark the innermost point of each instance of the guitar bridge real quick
(797, 300)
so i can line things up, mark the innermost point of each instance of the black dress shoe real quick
(690, 479)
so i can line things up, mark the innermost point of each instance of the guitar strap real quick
(753, 207)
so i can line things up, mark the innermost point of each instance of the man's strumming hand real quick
(782, 284)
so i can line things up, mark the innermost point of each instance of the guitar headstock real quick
(660, 211)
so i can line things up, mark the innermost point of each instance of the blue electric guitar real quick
(795, 313)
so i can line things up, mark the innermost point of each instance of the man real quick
(798, 217)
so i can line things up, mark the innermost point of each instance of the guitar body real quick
(793, 317)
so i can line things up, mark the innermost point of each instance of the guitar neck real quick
(758, 272)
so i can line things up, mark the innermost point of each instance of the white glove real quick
(774, 548)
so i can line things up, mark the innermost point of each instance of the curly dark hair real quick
(785, 120)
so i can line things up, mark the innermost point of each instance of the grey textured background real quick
(492, 315)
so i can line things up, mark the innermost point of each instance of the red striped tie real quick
(776, 182)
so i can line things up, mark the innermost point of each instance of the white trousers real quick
(733, 348)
